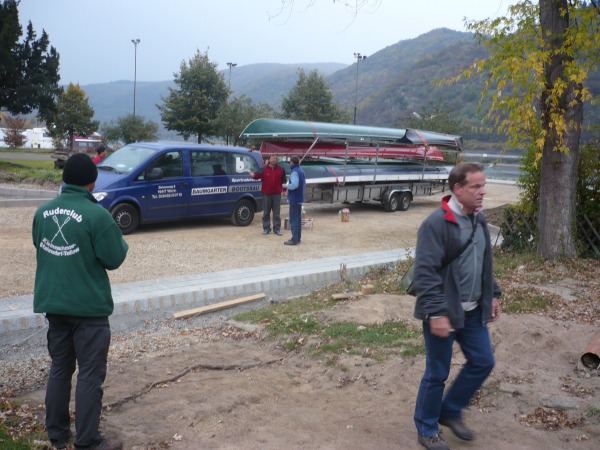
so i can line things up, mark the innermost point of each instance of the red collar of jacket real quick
(449, 216)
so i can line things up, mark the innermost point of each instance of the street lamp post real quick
(231, 65)
(358, 57)
(135, 43)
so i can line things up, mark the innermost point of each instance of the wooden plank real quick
(217, 306)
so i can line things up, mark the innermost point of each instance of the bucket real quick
(345, 213)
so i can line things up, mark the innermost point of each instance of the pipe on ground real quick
(591, 355)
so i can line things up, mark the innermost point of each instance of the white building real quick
(34, 138)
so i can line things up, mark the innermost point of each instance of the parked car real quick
(157, 182)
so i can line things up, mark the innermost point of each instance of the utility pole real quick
(231, 65)
(358, 57)
(135, 43)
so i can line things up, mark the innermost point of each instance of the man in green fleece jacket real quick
(76, 242)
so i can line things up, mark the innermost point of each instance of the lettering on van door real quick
(246, 188)
(169, 191)
(209, 190)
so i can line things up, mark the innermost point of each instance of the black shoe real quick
(290, 242)
(278, 233)
(266, 231)
(108, 444)
(458, 427)
(435, 442)
(61, 444)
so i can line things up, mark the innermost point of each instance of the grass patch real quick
(506, 263)
(592, 411)
(32, 171)
(295, 323)
(7, 443)
(375, 341)
(281, 318)
(19, 428)
(528, 304)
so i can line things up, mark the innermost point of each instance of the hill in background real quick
(392, 84)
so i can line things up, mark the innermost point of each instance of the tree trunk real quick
(559, 168)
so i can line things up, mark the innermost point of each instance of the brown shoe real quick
(108, 444)
(435, 442)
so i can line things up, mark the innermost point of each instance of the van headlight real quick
(99, 196)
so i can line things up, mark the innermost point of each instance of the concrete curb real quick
(24, 197)
(180, 293)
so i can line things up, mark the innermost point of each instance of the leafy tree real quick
(311, 98)
(193, 107)
(540, 57)
(28, 70)
(236, 114)
(13, 131)
(130, 129)
(73, 115)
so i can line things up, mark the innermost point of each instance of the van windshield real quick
(126, 159)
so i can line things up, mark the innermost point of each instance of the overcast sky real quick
(93, 37)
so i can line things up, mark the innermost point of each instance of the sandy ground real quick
(225, 388)
(218, 386)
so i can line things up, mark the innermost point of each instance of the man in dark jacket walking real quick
(76, 242)
(456, 297)
(272, 177)
(295, 189)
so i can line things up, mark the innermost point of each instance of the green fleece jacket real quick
(76, 242)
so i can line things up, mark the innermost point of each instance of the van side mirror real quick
(155, 173)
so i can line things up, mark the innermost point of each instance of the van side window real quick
(170, 163)
(209, 163)
(241, 163)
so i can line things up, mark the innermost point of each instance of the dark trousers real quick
(271, 203)
(85, 341)
(474, 341)
(296, 221)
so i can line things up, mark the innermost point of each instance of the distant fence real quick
(519, 232)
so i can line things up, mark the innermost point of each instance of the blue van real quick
(157, 182)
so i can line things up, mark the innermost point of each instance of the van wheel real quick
(127, 217)
(243, 213)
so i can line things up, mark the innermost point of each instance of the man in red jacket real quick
(272, 177)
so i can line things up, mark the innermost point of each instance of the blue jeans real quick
(474, 341)
(296, 221)
(83, 341)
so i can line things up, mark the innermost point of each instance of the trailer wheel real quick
(404, 202)
(392, 204)
(398, 202)
(127, 217)
(243, 213)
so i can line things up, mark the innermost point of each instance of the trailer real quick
(360, 164)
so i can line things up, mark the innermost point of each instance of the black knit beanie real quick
(80, 170)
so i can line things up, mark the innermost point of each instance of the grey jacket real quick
(437, 284)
